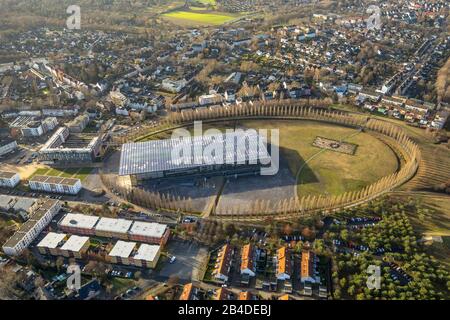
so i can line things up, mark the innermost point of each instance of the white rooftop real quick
(75, 243)
(122, 249)
(146, 252)
(113, 225)
(149, 229)
(51, 240)
(79, 220)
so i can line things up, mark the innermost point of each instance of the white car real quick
(172, 259)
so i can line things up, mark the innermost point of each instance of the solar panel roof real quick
(238, 147)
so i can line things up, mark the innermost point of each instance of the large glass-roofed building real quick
(238, 152)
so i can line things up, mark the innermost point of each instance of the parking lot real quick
(187, 258)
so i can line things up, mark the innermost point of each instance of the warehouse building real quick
(63, 147)
(129, 253)
(55, 184)
(236, 153)
(7, 145)
(27, 233)
(9, 179)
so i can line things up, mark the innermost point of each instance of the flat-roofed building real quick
(41, 216)
(78, 124)
(236, 153)
(146, 256)
(32, 129)
(78, 223)
(75, 246)
(130, 253)
(9, 179)
(6, 202)
(7, 145)
(55, 184)
(63, 147)
(113, 228)
(25, 207)
(149, 232)
(50, 123)
(121, 252)
(51, 243)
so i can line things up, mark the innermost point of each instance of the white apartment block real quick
(27, 233)
(9, 179)
(7, 146)
(55, 184)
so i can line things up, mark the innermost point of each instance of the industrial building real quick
(64, 147)
(129, 253)
(7, 145)
(41, 216)
(235, 153)
(148, 232)
(55, 184)
(9, 179)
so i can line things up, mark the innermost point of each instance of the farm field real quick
(200, 17)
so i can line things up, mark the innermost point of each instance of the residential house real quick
(308, 268)
(247, 260)
(223, 263)
(283, 264)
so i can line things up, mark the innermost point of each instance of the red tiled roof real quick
(187, 291)
(247, 257)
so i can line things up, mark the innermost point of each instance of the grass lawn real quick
(76, 173)
(205, 18)
(120, 285)
(437, 221)
(330, 172)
